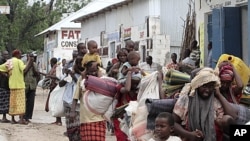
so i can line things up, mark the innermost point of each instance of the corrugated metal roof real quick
(96, 6)
(90, 8)
(66, 22)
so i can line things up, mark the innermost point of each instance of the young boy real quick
(164, 127)
(92, 55)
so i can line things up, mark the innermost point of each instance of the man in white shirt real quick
(149, 66)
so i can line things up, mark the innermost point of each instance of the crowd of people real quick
(18, 87)
(203, 109)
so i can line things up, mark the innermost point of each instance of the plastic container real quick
(242, 69)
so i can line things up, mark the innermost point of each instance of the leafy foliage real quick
(18, 29)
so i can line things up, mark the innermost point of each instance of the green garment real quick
(30, 79)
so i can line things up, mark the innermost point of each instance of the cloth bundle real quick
(156, 106)
(104, 85)
(100, 95)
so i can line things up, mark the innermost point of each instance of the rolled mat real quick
(105, 85)
(174, 77)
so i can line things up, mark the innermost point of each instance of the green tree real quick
(17, 29)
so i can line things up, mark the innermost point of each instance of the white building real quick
(225, 23)
(154, 25)
(60, 40)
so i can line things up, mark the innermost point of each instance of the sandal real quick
(13, 122)
(5, 121)
(57, 123)
(23, 122)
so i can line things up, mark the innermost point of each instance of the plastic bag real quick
(44, 83)
(56, 102)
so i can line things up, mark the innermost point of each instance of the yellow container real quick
(242, 69)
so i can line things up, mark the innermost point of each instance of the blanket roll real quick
(156, 106)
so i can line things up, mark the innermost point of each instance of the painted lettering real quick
(68, 44)
(71, 34)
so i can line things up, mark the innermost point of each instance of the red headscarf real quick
(16, 52)
(226, 73)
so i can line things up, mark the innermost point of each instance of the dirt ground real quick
(40, 128)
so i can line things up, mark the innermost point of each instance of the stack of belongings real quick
(157, 106)
(100, 97)
(173, 82)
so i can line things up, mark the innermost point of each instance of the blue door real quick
(226, 32)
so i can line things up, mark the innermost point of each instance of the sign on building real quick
(68, 38)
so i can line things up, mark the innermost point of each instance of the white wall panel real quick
(111, 22)
(154, 7)
(93, 26)
(140, 11)
(172, 13)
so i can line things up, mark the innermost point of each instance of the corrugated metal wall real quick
(171, 23)
(154, 7)
(140, 11)
(93, 27)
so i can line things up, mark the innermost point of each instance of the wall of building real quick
(133, 18)
(203, 8)
(173, 15)
(244, 22)
(93, 26)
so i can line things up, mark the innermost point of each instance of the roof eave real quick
(109, 8)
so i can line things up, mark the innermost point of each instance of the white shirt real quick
(149, 69)
(171, 138)
(209, 58)
(188, 61)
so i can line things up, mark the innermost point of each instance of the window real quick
(105, 51)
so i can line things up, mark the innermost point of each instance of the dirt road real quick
(40, 128)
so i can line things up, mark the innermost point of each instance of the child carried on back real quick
(130, 65)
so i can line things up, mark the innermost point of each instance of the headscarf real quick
(226, 73)
(16, 52)
(201, 111)
(204, 76)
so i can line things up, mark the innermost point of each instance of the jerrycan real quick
(241, 68)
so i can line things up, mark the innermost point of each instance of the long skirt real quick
(93, 131)
(120, 135)
(17, 102)
(4, 101)
(72, 125)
